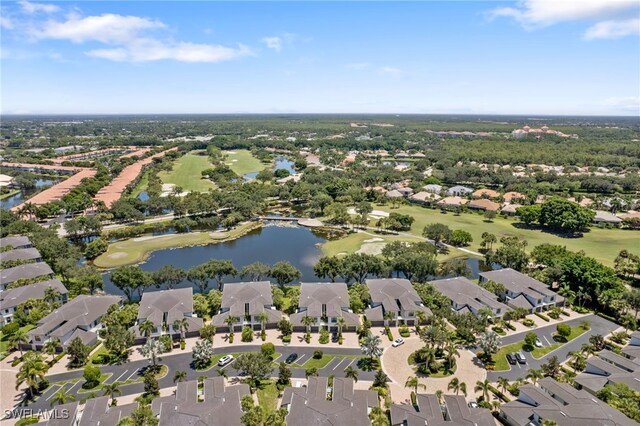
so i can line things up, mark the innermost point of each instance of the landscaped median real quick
(136, 250)
(501, 363)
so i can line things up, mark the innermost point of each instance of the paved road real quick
(599, 325)
(182, 361)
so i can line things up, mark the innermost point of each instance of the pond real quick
(272, 243)
(280, 163)
(22, 196)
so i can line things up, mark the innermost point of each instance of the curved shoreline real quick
(134, 255)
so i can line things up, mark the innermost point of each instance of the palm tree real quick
(457, 386)
(495, 405)
(182, 326)
(483, 387)
(152, 349)
(534, 375)
(179, 376)
(230, 321)
(371, 346)
(452, 353)
(111, 390)
(340, 323)
(17, 339)
(413, 382)
(50, 347)
(351, 373)
(578, 361)
(439, 394)
(503, 384)
(262, 317)
(421, 317)
(307, 322)
(61, 398)
(146, 328)
(32, 370)
(51, 296)
(388, 316)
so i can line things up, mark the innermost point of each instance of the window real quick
(246, 309)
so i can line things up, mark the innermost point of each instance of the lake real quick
(279, 163)
(22, 196)
(270, 244)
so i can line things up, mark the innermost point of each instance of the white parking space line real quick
(297, 361)
(119, 377)
(74, 385)
(53, 392)
(131, 375)
(547, 340)
(339, 362)
(351, 361)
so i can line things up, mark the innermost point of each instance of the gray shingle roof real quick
(221, 405)
(257, 294)
(176, 304)
(310, 407)
(518, 282)
(15, 242)
(28, 271)
(334, 295)
(394, 294)
(99, 412)
(464, 292)
(428, 412)
(20, 254)
(14, 296)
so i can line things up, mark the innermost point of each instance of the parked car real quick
(520, 357)
(399, 341)
(511, 358)
(334, 337)
(473, 404)
(225, 360)
(291, 358)
(538, 343)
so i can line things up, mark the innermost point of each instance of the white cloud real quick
(147, 50)
(538, 13)
(273, 42)
(28, 7)
(626, 104)
(6, 23)
(613, 29)
(390, 70)
(106, 28)
(358, 66)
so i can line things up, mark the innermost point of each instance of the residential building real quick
(99, 412)
(467, 296)
(247, 301)
(485, 193)
(424, 197)
(484, 205)
(321, 404)
(510, 209)
(10, 299)
(326, 302)
(632, 350)
(15, 242)
(62, 415)
(522, 291)
(608, 368)
(459, 191)
(562, 404)
(428, 411)
(433, 187)
(27, 271)
(396, 296)
(452, 202)
(163, 308)
(78, 318)
(22, 255)
(606, 218)
(394, 193)
(213, 405)
(511, 196)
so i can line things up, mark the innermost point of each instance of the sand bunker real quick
(117, 255)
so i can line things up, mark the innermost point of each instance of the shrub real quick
(268, 349)
(183, 344)
(564, 330)
(263, 335)
(413, 398)
(404, 331)
(388, 331)
(542, 316)
(167, 342)
(339, 340)
(324, 337)
(247, 334)
(91, 376)
(230, 338)
(499, 330)
(317, 354)
(307, 338)
(286, 339)
(10, 328)
(528, 322)
(510, 326)
(530, 340)
(514, 389)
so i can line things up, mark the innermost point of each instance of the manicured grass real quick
(136, 250)
(98, 387)
(94, 358)
(268, 395)
(141, 186)
(352, 242)
(538, 353)
(318, 363)
(602, 244)
(4, 341)
(9, 194)
(187, 171)
(500, 358)
(241, 161)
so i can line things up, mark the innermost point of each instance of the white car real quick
(225, 360)
(399, 341)
(538, 343)
(473, 404)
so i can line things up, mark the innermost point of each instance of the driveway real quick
(182, 361)
(598, 324)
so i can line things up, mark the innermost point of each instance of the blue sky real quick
(527, 57)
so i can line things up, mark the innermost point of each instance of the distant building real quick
(428, 411)
(21, 255)
(485, 193)
(321, 404)
(608, 368)
(459, 191)
(15, 242)
(10, 299)
(606, 218)
(24, 272)
(452, 202)
(424, 197)
(434, 188)
(484, 205)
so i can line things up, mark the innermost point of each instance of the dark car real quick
(334, 336)
(520, 357)
(291, 358)
(511, 358)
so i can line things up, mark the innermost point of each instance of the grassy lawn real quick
(501, 357)
(241, 161)
(135, 250)
(352, 242)
(4, 341)
(186, 173)
(318, 363)
(268, 395)
(9, 194)
(103, 377)
(141, 186)
(95, 356)
(538, 353)
(602, 244)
